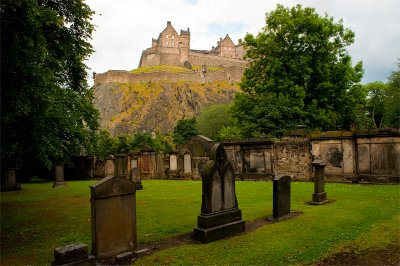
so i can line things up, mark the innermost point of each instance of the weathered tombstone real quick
(74, 254)
(109, 167)
(121, 165)
(113, 204)
(10, 181)
(319, 195)
(187, 164)
(173, 165)
(135, 173)
(59, 176)
(220, 216)
(281, 197)
(173, 161)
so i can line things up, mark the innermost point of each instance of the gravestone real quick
(187, 164)
(121, 165)
(113, 205)
(135, 172)
(9, 180)
(109, 166)
(281, 197)
(173, 171)
(319, 195)
(220, 216)
(59, 176)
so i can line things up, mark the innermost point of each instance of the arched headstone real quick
(220, 215)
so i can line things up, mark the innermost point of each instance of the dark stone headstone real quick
(9, 180)
(281, 196)
(220, 216)
(74, 254)
(59, 176)
(121, 165)
(113, 204)
(319, 195)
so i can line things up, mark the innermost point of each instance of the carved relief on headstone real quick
(220, 215)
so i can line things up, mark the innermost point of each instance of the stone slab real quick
(216, 219)
(218, 232)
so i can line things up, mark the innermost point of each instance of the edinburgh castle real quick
(173, 49)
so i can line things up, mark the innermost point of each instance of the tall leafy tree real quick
(376, 102)
(299, 73)
(46, 105)
(392, 99)
(184, 130)
(213, 119)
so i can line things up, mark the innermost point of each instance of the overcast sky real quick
(125, 27)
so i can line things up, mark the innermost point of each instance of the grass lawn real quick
(39, 218)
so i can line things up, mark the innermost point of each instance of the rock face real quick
(131, 107)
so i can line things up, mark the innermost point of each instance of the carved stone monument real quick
(220, 216)
(173, 171)
(113, 205)
(319, 195)
(281, 197)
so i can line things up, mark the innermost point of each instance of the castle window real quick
(173, 37)
(166, 36)
(173, 44)
(166, 43)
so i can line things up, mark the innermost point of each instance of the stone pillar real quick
(135, 173)
(281, 196)
(10, 181)
(59, 176)
(109, 166)
(319, 195)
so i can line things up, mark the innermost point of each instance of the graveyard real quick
(362, 220)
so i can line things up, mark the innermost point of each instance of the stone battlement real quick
(232, 74)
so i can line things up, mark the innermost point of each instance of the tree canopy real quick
(46, 105)
(300, 73)
(184, 130)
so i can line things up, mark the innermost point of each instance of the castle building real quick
(173, 48)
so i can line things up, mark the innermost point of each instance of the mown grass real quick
(39, 218)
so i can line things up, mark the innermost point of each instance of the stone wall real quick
(233, 74)
(360, 157)
(292, 157)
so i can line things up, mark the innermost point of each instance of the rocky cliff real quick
(131, 107)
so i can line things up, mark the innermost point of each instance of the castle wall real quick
(199, 59)
(233, 74)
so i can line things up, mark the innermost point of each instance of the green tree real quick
(46, 106)
(392, 99)
(105, 145)
(299, 73)
(376, 102)
(212, 119)
(184, 130)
